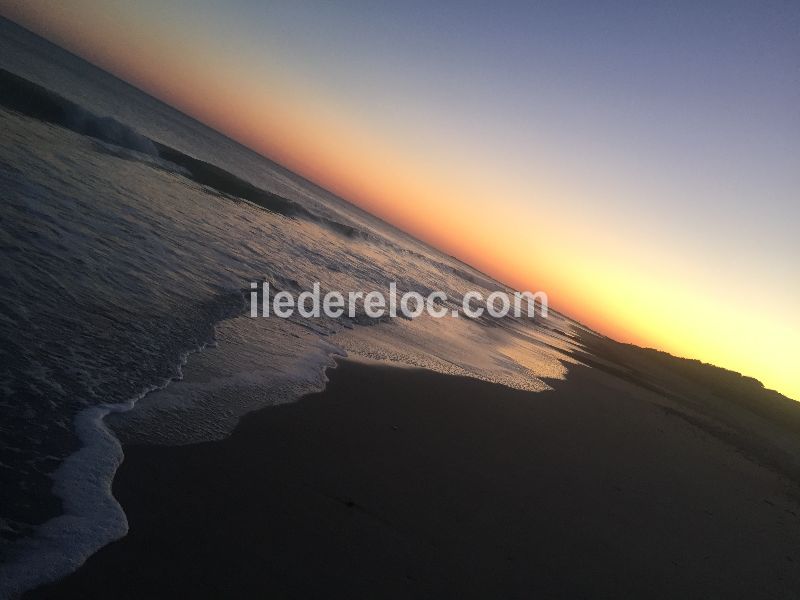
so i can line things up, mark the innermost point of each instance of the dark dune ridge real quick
(733, 407)
(399, 483)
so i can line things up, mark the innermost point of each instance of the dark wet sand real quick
(397, 483)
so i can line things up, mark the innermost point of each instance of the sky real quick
(638, 161)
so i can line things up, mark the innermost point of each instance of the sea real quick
(130, 234)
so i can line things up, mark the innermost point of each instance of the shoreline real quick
(400, 482)
(90, 516)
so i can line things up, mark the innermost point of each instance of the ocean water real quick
(129, 235)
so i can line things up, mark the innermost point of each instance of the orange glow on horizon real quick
(443, 201)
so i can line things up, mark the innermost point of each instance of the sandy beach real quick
(399, 300)
(400, 483)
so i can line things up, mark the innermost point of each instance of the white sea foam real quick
(225, 383)
(91, 516)
(118, 261)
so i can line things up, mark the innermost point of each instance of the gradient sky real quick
(639, 162)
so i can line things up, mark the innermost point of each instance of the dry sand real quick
(399, 483)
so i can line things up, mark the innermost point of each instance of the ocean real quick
(130, 234)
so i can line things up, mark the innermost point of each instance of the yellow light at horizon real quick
(449, 198)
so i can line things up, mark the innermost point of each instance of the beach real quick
(398, 301)
(399, 483)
